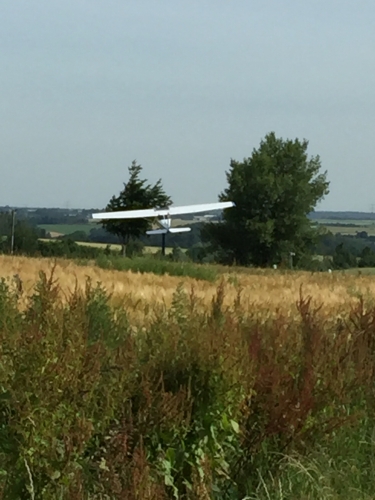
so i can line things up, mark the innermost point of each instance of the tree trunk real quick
(124, 243)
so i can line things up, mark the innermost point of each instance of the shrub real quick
(158, 265)
(134, 248)
(178, 255)
(67, 248)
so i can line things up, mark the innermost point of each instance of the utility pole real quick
(12, 235)
(291, 255)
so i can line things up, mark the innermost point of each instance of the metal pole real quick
(163, 244)
(291, 255)
(12, 236)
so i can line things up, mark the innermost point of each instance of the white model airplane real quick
(164, 216)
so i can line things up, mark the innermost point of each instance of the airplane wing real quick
(205, 207)
(127, 214)
(163, 212)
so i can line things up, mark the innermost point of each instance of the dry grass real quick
(264, 289)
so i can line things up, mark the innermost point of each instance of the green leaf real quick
(235, 426)
(56, 475)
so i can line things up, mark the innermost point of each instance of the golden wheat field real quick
(269, 289)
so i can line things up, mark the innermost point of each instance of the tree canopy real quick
(274, 191)
(137, 194)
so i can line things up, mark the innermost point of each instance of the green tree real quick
(274, 191)
(367, 258)
(342, 258)
(25, 235)
(136, 195)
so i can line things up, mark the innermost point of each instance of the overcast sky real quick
(87, 86)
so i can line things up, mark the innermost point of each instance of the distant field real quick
(352, 230)
(357, 222)
(147, 249)
(67, 228)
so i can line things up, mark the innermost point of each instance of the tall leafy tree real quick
(274, 191)
(137, 194)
